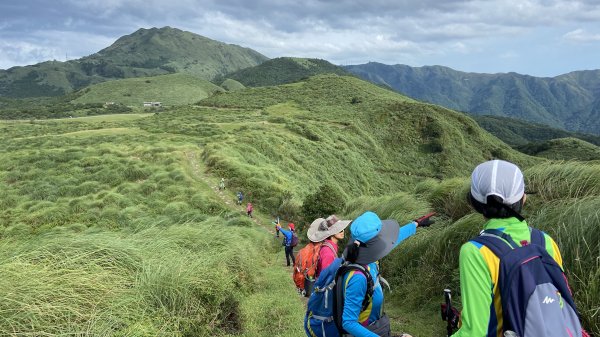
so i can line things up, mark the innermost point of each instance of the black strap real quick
(338, 299)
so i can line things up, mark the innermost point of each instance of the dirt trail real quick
(227, 196)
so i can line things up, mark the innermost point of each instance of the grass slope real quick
(516, 132)
(111, 226)
(107, 229)
(284, 70)
(563, 149)
(172, 89)
(305, 133)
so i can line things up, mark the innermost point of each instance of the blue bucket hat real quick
(377, 237)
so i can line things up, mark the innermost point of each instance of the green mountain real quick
(570, 101)
(172, 89)
(283, 70)
(147, 52)
(517, 132)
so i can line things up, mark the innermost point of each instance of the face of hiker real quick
(340, 235)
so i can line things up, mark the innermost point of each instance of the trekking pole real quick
(448, 313)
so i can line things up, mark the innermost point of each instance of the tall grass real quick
(186, 280)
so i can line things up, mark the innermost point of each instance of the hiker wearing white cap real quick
(496, 302)
(329, 231)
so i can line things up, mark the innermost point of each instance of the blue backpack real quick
(536, 299)
(324, 310)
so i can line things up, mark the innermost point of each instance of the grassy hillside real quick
(284, 70)
(563, 149)
(112, 225)
(172, 89)
(516, 132)
(568, 101)
(107, 229)
(304, 133)
(231, 85)
(146, 52)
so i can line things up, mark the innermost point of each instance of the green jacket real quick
(482, 310)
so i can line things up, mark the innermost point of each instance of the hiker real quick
(308, 258)
(356, 305)
(222, 184)
(329, 231)
(498, 193)
(240, 197)
(288, 242)
(249, 209)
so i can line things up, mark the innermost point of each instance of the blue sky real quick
(535, 37)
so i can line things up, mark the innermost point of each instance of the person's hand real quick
(425, 220)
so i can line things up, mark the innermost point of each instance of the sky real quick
(542, 38)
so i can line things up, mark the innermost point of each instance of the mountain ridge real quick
(570, 101)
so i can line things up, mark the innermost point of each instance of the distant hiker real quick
(534, 299)
(330, 231)
(240, 197)
(348, 297)
(249, 209)
(222, 184)
(289, 236)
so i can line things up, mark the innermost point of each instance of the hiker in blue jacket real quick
(287, 242)
(371, 239)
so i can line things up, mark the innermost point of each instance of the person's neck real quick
(334, 240)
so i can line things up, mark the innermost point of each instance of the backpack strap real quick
(340, 290)
(497, 241)
(538, 237)
(328, 245)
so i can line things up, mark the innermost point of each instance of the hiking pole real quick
(450, 314)
(448, 300)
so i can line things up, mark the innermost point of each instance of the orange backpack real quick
(305, 267)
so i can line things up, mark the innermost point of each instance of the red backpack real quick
(305, 267)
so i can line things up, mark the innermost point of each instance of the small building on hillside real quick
(152, 104)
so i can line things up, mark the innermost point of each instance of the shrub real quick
(325, 201)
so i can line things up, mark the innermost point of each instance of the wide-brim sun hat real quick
(321, 229)
(377, 237)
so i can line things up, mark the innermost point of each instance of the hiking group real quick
(512, 281)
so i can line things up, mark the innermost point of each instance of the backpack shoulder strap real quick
(492, 238)
(328, 245)
(340, 291)
(537, 237)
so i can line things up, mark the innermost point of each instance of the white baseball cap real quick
(500, 178)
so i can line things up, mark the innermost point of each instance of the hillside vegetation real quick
(111, 225)
(517, 132)
(146, 52)
(341, 131)
(284, 70)
(106, 229)
(563, 149)
(569, 101)
(172, 89)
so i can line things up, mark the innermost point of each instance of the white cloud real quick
(580, 35)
